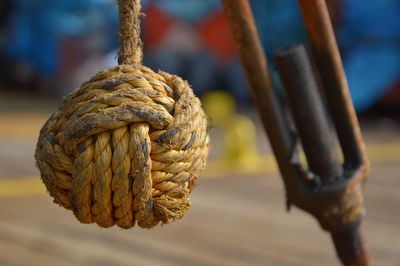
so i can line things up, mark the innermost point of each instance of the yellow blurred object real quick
(239, 150)
(219, 106)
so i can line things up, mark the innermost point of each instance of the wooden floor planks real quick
(234, 221)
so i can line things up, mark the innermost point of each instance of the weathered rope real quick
(129, 23)
(127, 146)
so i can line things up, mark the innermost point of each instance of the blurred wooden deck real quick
(234, 220)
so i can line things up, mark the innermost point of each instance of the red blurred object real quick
(216, 36)
(73, 52)
(156, 26)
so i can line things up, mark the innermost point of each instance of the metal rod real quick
(350, 245)
(330, 67)
(307, 109)
(255, 65)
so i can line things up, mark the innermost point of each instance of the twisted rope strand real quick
(129, 23)
(81, 183)
(141, 170)
(122, 183)
(102, 208)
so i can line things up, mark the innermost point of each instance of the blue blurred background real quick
(238, 217)
(50, 47)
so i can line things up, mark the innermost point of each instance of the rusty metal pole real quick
(312, 123)
(255, 65)
(308, 112)
(329, 64)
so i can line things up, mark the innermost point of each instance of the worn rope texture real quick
(126, 146)
(130, 52)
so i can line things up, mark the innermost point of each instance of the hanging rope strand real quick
(129, 23)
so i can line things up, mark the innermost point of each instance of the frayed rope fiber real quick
(125, 147)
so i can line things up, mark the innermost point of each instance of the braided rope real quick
(127, 146)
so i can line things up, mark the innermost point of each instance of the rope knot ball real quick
(126, 146)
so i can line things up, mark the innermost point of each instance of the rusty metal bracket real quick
(336, 202)
(329, 190)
